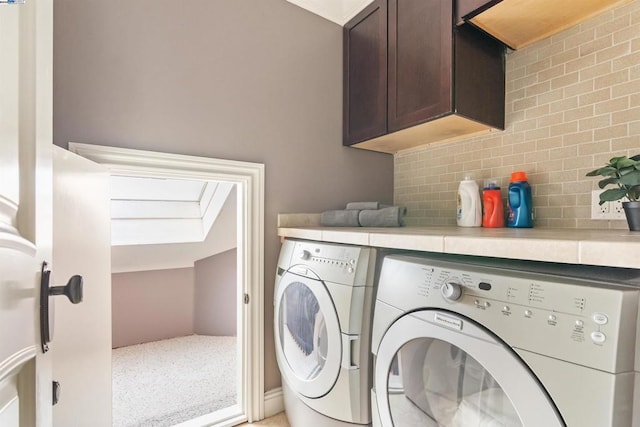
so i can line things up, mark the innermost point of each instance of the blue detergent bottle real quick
(519, 202)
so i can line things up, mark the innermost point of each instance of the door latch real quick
(72, 290)
(55, 392)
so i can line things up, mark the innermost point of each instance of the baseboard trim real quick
(273, 402)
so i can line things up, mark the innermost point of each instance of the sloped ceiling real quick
(338, 11)
(169, 223)
(159, 210)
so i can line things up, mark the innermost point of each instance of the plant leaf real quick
(623, 162)
(627, 169)
(603, 183)
(634, 193)
(630, 179)
(612, 194)
(604, 171)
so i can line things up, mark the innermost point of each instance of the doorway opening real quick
(152, 236)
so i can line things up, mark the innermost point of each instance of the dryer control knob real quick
(305, 254)
(451, 291)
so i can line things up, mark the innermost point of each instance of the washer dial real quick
(451, 291)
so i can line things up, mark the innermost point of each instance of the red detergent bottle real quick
(492, 207)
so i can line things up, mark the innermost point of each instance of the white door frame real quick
(249, 178)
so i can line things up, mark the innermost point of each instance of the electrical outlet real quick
(616, 208)
(607, 210)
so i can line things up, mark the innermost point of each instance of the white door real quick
(81, 363)
(26, 38)
(81, 345)
(436, 368)
(308, 338)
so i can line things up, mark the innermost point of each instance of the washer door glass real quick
(308, 337)
(434, 368)
(435, 383)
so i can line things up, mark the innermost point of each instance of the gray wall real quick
(250, 80)
(216, 294)
(151, 305)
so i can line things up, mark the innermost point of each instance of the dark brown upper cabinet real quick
(518, 23)
(419, 62)
(365, 74)
(412, 77)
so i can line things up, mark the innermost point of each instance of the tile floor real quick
(278, 420)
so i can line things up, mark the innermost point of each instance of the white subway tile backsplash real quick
(572, 102)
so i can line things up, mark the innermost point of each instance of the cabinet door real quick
(420, 52)
(365, 74)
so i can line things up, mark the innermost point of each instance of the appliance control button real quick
(353, 262)
(484, 286)
(528, 313)
(487, 304)
(552, 317)
(304, 254)
(579, 323)
(476, 302)
(451, 291)
(350, 269)
(506, 308)
(598, 337)
(600, 318)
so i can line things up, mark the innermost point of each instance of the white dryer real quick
(468, 345)
(323, 302)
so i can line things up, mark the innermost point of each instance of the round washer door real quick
(437, 368)
(307, 335)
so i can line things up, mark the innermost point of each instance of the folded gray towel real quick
(392, 216)
(340, 218)
(365, 205)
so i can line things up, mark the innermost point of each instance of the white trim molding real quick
(10, 237)
(12, 365)
(249, 178)
(273, 402)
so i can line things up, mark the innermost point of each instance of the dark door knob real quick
(73, 289)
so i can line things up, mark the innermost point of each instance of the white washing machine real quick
(457, 344)
(323, 302)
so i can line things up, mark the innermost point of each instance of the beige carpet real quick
(166, 382)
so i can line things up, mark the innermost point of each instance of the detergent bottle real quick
(492, 207)
(469, 213)
(519, 202)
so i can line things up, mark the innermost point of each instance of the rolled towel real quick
(340, 218)
(365, 205)
(392, 216)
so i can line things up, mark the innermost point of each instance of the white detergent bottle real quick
(469, 203)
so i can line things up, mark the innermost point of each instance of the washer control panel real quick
(589, 323)
(332, 262)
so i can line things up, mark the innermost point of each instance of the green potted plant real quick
(624, 174)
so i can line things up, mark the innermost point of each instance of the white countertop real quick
(615, 248)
